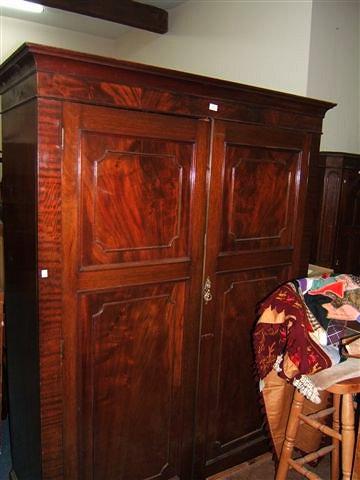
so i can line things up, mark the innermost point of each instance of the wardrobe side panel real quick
(21, 312)
(51, 260)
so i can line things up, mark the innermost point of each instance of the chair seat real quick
(352, 385)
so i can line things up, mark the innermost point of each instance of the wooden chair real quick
(342, 431)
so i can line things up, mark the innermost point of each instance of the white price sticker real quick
(214, 107)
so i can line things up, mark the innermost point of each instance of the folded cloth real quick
(303, 326)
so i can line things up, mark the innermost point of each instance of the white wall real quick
(334, 70)
(14, 32)
(264, 43)
(304, 47)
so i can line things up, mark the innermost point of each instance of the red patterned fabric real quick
(290, 338)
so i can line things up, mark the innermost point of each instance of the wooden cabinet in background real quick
(338, 222)
(142, 226)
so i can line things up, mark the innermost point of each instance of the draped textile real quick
(305, 326)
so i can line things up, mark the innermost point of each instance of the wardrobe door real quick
(133, 219)
(347, 252)
(255, 216)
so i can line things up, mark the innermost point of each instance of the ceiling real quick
(82, 23)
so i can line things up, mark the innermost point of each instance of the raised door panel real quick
(136, 197)
(133, 196)
(257, 193)
(256, 171)
(236, 420)
(131, 346)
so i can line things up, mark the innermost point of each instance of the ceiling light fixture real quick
(22, 5)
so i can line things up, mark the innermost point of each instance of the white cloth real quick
(337, 373)
(310, 385)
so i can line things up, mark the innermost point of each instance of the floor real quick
(5, 458)
(262, 468)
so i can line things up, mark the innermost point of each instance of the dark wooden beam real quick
(126, 12)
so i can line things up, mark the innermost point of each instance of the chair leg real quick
(335, 454)
(290, 436)
(348, 435)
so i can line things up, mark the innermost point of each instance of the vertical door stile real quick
(71, 119)
(207, 336)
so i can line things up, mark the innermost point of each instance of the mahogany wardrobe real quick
(146, 213)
